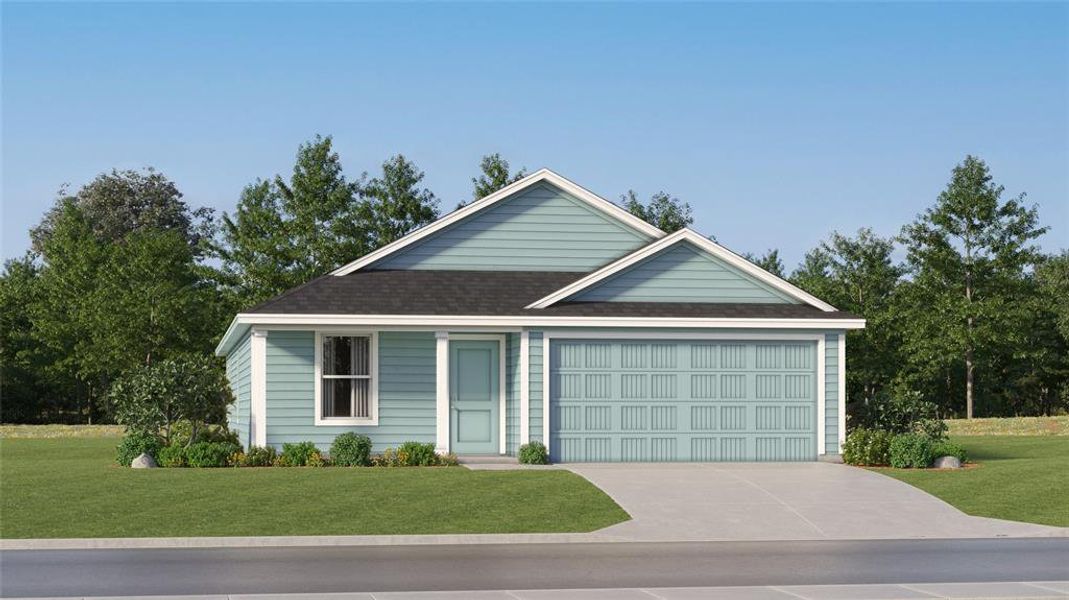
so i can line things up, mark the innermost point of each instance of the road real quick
(525, 566)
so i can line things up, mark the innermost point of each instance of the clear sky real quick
(777, 122)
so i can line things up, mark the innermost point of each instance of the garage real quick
(687, 400)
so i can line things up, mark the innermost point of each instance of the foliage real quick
(769, 261)
(495, 174)
(911, 451)
(134, 444)
(871, 447)
(258, 456)
(298, 455)
(534, 453)
(396, 204)
(351, 450)
(210, 454)
(155, 398)
(948, 448)
(900, 411)
(182, 433)
(419, 454)
(665, 212)
(172, 456)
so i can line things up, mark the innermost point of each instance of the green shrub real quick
(258, 457)
(183, 430)
(172, 456)
(867, 447)
(948, 448)
(534, 453)
(135, 443)
(898, 411)
(351, 450)
(911, 451)
(297, 455)
(418, 455)
(210, 454)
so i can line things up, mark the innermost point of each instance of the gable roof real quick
(542, 175)
(683, 236)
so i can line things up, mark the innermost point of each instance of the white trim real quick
(373, 388)
(441, 402)
(546, 381)
(684, 235)
(436, 322)
(572, 188)
(842, 391)
(501, 347)
(822, 444)
(258, 388)
(525, 387)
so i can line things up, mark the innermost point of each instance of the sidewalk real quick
(949, 591)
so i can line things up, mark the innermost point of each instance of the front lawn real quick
(70, 487)
(1019, 478)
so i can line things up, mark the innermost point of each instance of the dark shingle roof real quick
(493, 293)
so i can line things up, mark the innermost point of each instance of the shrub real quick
(351, 450)
(448, 460)
(534, 453)
(900, 411)
(210, 454)
(911, 450)
(297, 455)
(316, 459)
(134, 443)
(182, 431)
(258, 457)
(867, 447)
(172, 456)
(948, 448)
(418, 455)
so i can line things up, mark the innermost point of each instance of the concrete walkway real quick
(782, 501)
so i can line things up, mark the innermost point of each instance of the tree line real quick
(123, 273)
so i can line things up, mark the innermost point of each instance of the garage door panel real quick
(640, 401)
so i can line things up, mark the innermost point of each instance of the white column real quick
(821, 395)
(842, 390)
(525, 387)
(545, 388)
(441, 378)
(258, 388)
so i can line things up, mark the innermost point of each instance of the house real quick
(544, 312)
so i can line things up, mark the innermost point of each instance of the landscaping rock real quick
(143, 461)
(947, 462)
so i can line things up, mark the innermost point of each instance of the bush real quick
(448, 460)
(418, 455)
(534, 453)
(948, 448)
(210, 454)
(867, 447)
(899, 412)
(183, 430)
(172, 456)
(258, 457)
(135, 443)
(351, 450)
(298, 455)
(911, 451)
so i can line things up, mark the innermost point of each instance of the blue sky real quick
(778, 123)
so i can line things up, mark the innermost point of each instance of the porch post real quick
(525, 387)
(842, 391)
(258, 388)
(441, 379)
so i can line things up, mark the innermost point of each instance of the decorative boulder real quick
(947, 462)
(143, 461)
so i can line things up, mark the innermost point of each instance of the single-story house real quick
(544, 312)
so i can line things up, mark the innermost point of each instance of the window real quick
(346, 379)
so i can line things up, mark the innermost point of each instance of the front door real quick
(474, 394)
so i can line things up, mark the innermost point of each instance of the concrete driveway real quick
(782, 501)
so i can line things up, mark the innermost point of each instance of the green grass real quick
(1019, 478)
(1010, 426)
(70, 487)
(59, 431)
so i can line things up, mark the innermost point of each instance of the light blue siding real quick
(536, 352)
(831, 392)
(683, 273)
(512, 393)
(406, 390)
(239, 376)
(542, 228)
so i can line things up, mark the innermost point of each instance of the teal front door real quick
(474, 395)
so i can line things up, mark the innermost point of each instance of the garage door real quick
(685, 400)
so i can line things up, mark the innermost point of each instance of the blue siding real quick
(239, 376)
(541, 228)
(536, 351)
(831, 395)
(512, 393)
(683, 273)
(406, 390)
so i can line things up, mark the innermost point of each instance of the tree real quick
(967, 256)
(396, 204)
(769, 261)
(665, 212)
(495, 175)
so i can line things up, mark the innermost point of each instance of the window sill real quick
(345, 422)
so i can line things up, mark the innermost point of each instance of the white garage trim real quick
(822, 444)
(525, 387)
(842, 391)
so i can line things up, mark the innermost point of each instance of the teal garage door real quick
(685, 400)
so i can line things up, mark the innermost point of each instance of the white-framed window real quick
(346, 378)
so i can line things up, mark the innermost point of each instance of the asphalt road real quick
(526, 566)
